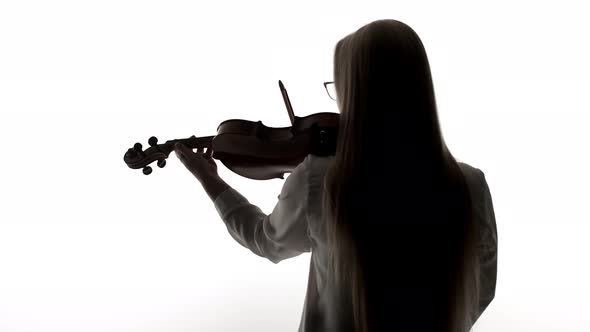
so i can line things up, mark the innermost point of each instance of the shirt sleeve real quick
(488, 250)
(280, 235)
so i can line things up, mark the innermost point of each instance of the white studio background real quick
(88, 244)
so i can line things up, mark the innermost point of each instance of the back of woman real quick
(401, 237)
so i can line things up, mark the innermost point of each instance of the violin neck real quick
(193, 142)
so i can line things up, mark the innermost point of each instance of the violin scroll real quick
(136, 157)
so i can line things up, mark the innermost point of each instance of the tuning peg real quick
(161, 163)
(131, 154)
(153, 141)
(138, 148)
(147, 170)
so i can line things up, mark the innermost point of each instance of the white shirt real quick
(292, 228)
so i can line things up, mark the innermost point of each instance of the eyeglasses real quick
(330, 89)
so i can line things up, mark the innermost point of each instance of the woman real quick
(402, 236)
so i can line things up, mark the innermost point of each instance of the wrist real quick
(210, 177)
(214, 185)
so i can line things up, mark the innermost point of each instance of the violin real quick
(250, 148)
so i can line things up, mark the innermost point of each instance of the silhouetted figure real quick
(402, 236)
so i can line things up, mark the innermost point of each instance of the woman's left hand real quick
(199, 163)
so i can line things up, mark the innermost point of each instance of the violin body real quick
(250, 148)
(259, 152)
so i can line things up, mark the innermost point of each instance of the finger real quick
(180, 147)
(179, 154)
(209, 152)
(181, 151)
(200, 150)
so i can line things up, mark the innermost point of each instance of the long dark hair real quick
(400, 231)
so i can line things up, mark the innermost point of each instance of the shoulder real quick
(306, 175)
(318, 164)
(481, 197)
(316, 167)
(470, 172)
(474, 177)
(311, 169)
(310, 173)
